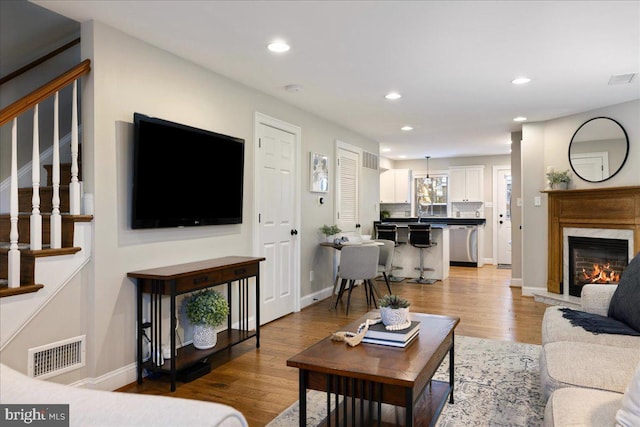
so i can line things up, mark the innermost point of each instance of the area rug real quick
(497, 383)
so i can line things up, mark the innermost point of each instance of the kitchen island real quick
(437, 258)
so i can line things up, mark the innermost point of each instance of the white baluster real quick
(56, 219)
(74, 186)
(14, 253)
(36, 218)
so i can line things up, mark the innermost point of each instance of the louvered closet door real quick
(347, 188)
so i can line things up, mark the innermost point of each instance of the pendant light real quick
(427, 157)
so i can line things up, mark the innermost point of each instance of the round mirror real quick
(598, 149)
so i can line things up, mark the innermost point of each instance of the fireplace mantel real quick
(614, 207)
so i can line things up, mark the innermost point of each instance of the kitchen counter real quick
(434, 220)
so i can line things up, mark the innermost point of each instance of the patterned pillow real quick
(625, 303)
(629, 414)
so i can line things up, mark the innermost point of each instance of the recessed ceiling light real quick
(386, 150)
(278, 46)
(393, 95)
(521, 80)
(402, 157)
(519, 119)
(406, 128)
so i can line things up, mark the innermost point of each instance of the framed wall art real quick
(318, 173)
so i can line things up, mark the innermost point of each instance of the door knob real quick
(294, 232)
(500, 221)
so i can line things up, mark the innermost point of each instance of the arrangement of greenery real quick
(384, 214)
(555, 177)
(330, 230)
(393, 301)
(207, 307)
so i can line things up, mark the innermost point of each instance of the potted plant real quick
(330, 231)
(558, 180)
(206, 310)
(394, 311)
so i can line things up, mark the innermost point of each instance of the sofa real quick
(98, 408)
(591, 379)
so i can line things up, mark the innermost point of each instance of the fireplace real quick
(594, 260)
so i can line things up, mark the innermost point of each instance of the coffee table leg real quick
(302, 398)
(451, 364)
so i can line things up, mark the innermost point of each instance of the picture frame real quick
(318, 173)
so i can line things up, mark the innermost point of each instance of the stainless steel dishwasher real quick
(463, 244)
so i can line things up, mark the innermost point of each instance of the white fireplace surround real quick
(597, 233)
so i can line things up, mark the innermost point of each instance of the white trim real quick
(497, 168)
(260, 118)
(516, 282)
(111, 380)
(314, 297)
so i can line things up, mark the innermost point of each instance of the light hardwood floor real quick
(258, 383)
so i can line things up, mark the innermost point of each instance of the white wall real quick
(546, 144)
(130, 76)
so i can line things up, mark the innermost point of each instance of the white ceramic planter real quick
(394, 316)
(204, 337)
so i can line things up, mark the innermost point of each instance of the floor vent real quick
(57, 358)
(369, 160)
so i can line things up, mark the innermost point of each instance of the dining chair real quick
(359, 263)
(384, 261)
(389, 232)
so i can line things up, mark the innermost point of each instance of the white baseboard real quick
(307, 300)
(516, 282)
(110, 381)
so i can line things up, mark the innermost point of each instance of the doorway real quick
(502, 214)
(276, 184)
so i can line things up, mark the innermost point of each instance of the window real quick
(430, 195)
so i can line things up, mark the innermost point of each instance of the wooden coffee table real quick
(380, 385)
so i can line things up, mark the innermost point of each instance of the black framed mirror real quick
(598, 149)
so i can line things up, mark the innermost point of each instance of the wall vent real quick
(57, 358)
(622, 79)
(369, 160)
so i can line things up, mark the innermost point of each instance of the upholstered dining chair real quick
(389, 232)
(359, 262)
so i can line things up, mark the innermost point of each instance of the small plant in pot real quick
(394, 311)
(559, 180)
(206, 310)
(329, 231)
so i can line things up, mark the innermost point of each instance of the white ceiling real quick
(453, 61)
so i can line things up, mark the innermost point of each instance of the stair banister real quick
(35, 239)
(74, 186)
(56, 219)
(14, 254)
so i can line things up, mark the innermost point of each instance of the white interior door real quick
(503, 201)
(276, 178)
(591, 166)
(347, 186)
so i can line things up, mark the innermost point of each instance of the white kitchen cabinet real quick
(395, 186)
(466, 184)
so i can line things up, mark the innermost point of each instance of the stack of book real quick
(378, 334)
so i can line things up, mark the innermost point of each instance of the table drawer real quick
(240, 272)
(189, 283)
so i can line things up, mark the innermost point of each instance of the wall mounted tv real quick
(183, 176)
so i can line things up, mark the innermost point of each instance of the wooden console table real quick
(180, 279)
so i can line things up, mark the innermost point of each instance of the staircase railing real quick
(11, 114)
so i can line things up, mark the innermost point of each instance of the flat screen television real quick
(184, 176)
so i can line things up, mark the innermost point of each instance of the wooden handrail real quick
(43, 92)
(38, 61)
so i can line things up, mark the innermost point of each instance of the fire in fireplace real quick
(595, 260)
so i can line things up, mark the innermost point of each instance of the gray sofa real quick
(585, 375)
(98, 408)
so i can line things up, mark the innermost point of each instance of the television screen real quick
(183, 176)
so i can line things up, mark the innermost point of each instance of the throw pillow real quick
(625, 303)
(629, 414)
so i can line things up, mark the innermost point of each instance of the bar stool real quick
(420, 237)
(389, 232)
